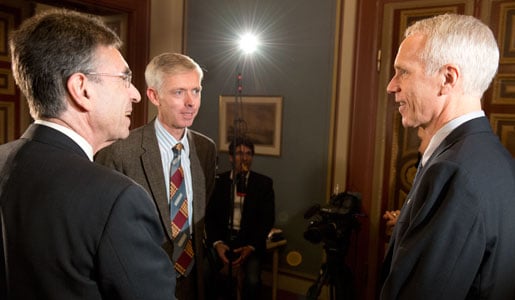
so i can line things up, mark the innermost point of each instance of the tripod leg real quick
(341, 282)
(316, 288)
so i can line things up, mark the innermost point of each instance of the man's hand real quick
(221, 249)
(243, 252)
(391, 220)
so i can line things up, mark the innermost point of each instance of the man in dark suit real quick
(454, 236)
(239, 217)
(174, 87)
(72, 229)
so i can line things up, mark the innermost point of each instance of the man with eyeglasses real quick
(72, 229)
(126, 77)
(147, 156)
(239, 217)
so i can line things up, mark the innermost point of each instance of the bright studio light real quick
(248, 43)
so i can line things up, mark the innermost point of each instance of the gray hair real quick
(50, 47)
(461, 40)
(169, 64)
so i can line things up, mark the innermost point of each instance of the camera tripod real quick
(334, 273)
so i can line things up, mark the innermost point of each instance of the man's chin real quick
(407, 123)
(188, 122)
(122, 135)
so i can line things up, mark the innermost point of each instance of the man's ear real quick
(451, 75)
(153, 96)
(79, 89)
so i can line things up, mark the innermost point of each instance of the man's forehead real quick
(410, 49)
(412, 44)
(186, 79)
(110, 58)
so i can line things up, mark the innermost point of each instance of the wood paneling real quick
(9, 94)
(135, 28)
(499, 100)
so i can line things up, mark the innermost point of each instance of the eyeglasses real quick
(127, 77)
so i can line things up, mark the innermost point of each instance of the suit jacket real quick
(75, 229)
(139, 158)
(257, 216)
(455, 238)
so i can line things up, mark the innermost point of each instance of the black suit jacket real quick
(75, 229)
(257, 216)
(139, 157)
(455, 238)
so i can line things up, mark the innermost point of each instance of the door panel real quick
(499, 100)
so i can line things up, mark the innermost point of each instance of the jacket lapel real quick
(151, 161)
(198, 181)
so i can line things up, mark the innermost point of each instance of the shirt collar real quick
(168, 140)
(443, 132)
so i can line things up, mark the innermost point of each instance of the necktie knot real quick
(177, 148)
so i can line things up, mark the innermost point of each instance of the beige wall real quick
(166, 31)
(340, 125)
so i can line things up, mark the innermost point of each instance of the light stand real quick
(248, 44)
(239, 129)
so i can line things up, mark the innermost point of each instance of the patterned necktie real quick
(182, 250)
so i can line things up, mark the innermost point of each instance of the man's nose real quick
(392, 87)
(134, 94)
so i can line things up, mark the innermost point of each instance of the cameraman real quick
(253, 211)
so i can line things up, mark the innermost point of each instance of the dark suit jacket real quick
(258, 211)
(77, 230)
(139, 158)
(455, 236)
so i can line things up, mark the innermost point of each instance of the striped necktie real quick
(182, 250)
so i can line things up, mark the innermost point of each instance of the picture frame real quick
(257, 117)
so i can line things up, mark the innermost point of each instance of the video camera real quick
(334, 222)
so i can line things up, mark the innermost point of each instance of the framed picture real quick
(257, 117)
